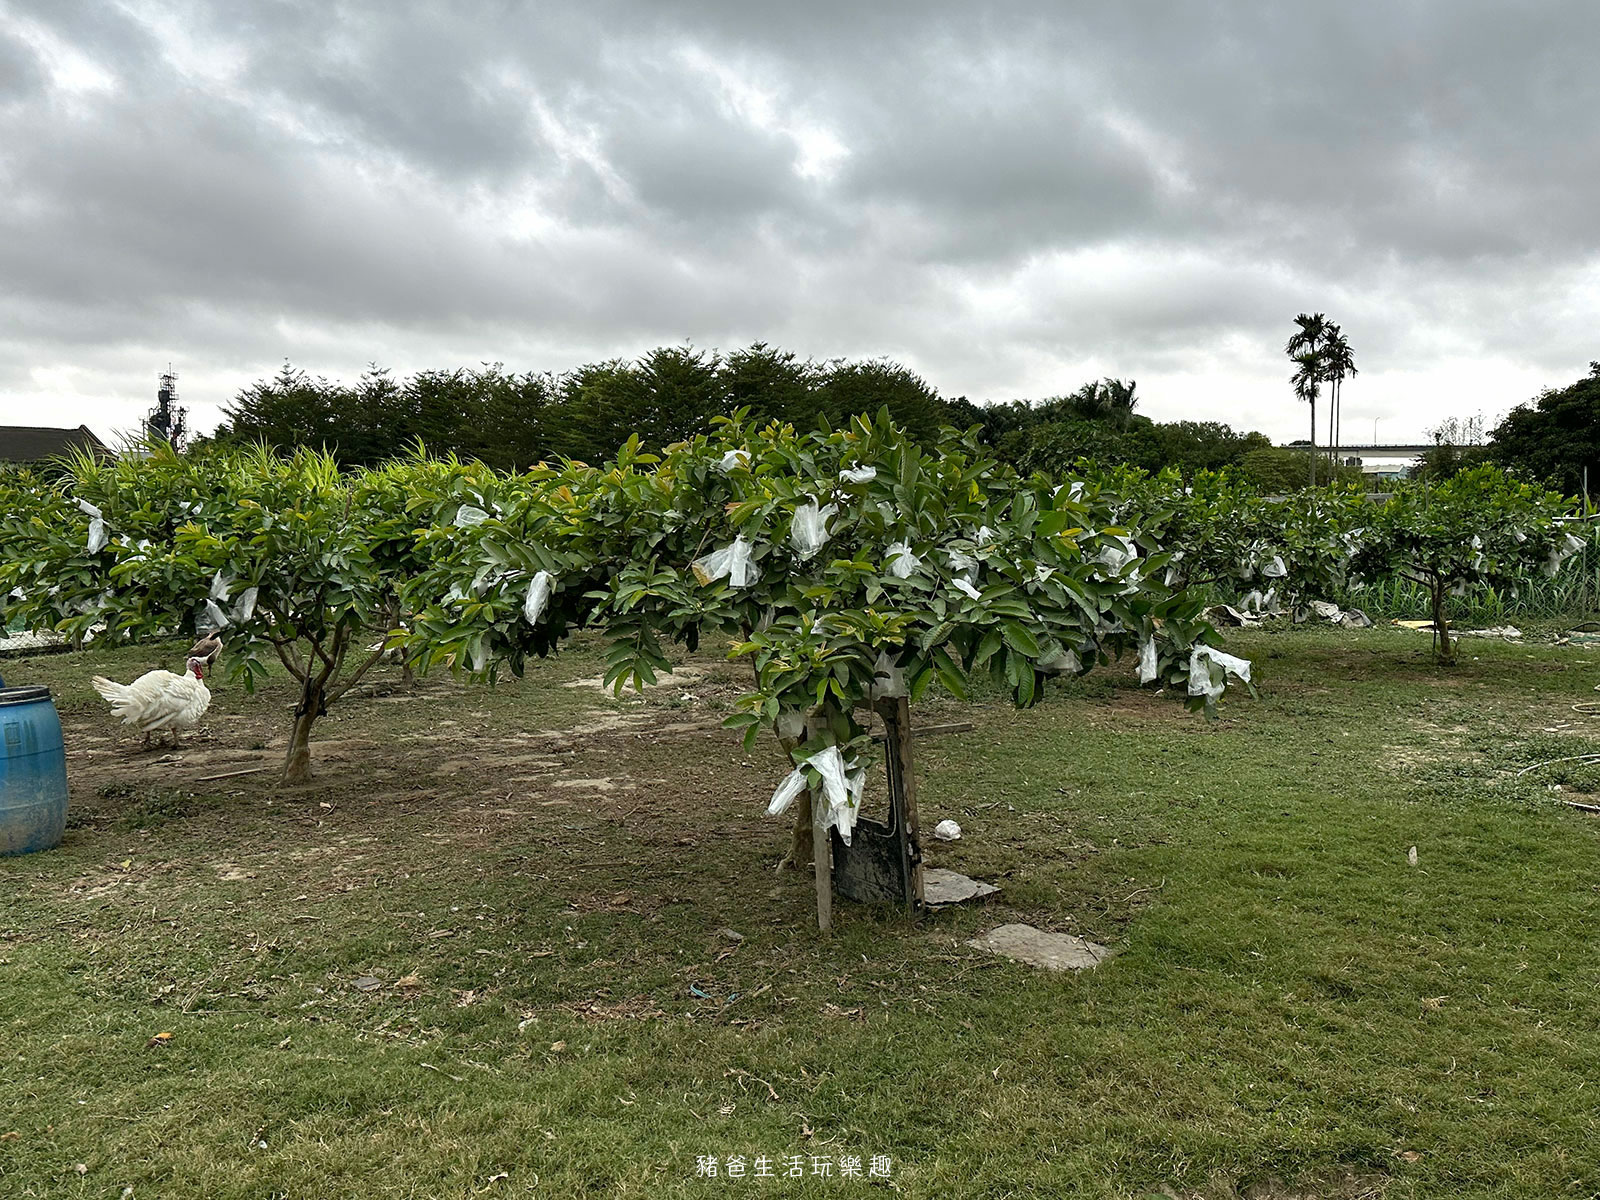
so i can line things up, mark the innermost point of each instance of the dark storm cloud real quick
(1010, 196)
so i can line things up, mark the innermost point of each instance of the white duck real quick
(159, 700)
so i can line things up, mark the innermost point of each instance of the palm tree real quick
(1338, 362)
(1108, 400)
(1307, 381)
(1306, 347)
(1117, 401)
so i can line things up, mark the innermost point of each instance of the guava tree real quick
(1479, 527)
(277, 553)
(1277, 553)
(845, 566)
(511, 568)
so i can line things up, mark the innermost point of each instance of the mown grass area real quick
(538, 877)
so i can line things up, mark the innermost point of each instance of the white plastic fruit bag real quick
(788, 792)
(1061, 661)
(1147, 660)
(808, 532)
(731, 563)
(888, 679)
(539, 589)
(791, 723)
(839, 806)
(1209, 669)
(900, 561)
(1119, 554)
(859, 474)
(733, 459)
(97, 527)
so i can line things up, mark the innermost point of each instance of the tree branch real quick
(293, 664)
(372, 661)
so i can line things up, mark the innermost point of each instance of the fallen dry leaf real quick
(159, 1042)
(557, 1047)
(409, 982)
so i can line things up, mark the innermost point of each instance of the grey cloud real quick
(21, 76)
(1005, 195)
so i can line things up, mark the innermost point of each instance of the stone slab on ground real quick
(1039, 948)
(941, 887)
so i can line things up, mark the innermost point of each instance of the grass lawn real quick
(532, 884)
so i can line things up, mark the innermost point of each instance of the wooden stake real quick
(900, 746)
(822, 864)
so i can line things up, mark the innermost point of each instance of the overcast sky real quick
(1012, 198)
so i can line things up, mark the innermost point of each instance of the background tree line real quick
(1554, 439)
(512, 420)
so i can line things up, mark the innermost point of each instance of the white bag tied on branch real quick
(838, 807)
(900, 561)
(859, 474)
(840, 797)
(1064, 660)
(791, 723)
(733, 459)
(219, 586)
(1147, 660)
(1209, 669)
(470, 514)
(246, 607)
(788, 792)
(1560, 552)
(1274, 568)
(731, 563)
(965, 588)
(98, 537)
(808, 532)
(212, 617)
(1119, 555)
(888, 679)
(539, 589)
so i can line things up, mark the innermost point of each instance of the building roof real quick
(27, 444)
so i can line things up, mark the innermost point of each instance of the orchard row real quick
(844, 566)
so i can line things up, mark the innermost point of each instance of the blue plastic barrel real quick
(33, 771)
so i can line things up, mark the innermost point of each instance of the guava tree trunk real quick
(799, 853)
(394, 617)
(1445, 648)
(313, 703)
